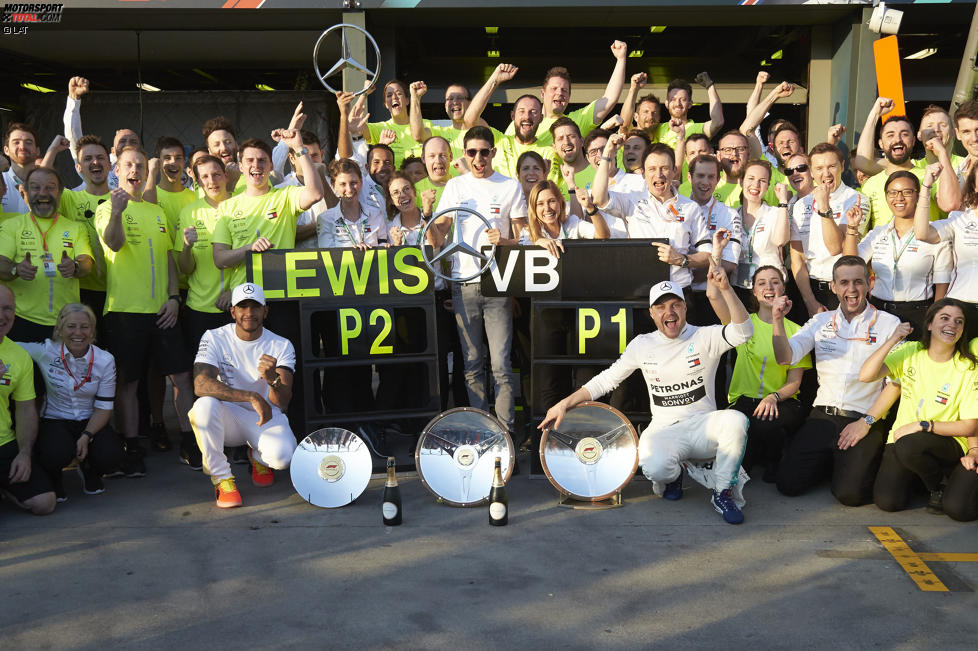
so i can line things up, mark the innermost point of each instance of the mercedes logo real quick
(248, 289)
(456, 245)
(346, 60)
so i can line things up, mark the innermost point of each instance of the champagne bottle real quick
(392, 497)
(498, 504)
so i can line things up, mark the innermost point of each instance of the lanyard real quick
(835, 328)
(349, 231)
(907, 240)
(88, 373)
(417, 234)
(750, 235)
(44, 234)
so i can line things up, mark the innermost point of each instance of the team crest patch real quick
(693, 361)
(162, 229)
(271, 215)
(67, 244)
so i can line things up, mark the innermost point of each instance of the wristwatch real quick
(91, 437)
(826, 214)
(685, 262)
(13, 271)
(869, 420)
(926, 425)
(277, 383)
(304, 151)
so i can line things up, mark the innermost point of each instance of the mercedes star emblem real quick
(346, 60)
(457, 245)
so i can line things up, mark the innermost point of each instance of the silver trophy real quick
(331, 467)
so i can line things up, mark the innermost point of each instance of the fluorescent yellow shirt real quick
(16, 383)
(172, 203)
(582, 117)
(509, 150)
(929, 390)
(80, 206)
(206, 282)
(404, 146)
(426, 184)
(667, 136)
(137, 275)
(879, 211)
(756, 372)
(39, 300)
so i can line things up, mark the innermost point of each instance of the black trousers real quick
(766, 439)
(56, 441)
(911, 312)
(823, 293)
(813, 454)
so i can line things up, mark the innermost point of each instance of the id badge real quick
(49, 269)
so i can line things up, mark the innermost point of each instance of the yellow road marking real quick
(951, 558)
(909, 560)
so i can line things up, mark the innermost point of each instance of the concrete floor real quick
(151, 563)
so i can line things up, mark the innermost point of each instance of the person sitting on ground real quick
(80, 381)
(242, 367)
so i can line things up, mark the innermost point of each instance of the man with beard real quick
(42, 257)
(645, 111)
(897, 141)
(221, 143)
(818, 220)
(733, 148)
(568, 153)
(839, 438)
(679, 99)
(171, 194)
(457, 102)
(20, 146)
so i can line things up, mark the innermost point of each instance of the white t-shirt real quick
(806, 227)
(905, 268)
(840, 348)
(757, 249)
(717, 214)
(573, 228)
(960, 230)
(334, 231)
(497, 198)
(310, 216)
(63, 401)
(236, 360)
(680, 220)
(678, 372)
(627, 184)
(12, 201)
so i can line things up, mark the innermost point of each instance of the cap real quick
(661, 289)
(248, 292)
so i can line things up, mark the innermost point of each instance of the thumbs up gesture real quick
(25, 269)
(66, 267)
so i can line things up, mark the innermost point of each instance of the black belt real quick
(896, 305)
(820, 284)
(835, 411)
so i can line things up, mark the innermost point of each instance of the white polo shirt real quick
(680, 220)
(333, 231)
(310, 216)
(757, 249)
(905, 268)
(573, 228)
(96, 387)
(840, 348)
(960, 230)
(497, 198)
(806, 227)
(717, 214)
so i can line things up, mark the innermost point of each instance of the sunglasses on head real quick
(788, 171)
(472, 153)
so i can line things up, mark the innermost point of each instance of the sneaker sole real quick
(85, 490)
(720, 511)
(190, 465)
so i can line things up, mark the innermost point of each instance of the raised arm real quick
(419, 131)
(865, 158)
(831, 232)
(948, 189)
(922, 228)
(599, 186)
(715, 123)
(612, 92)
(312, 189)
(503, 73)
(639, 80)
(781, 233)
(874, 368)
(344, 142)
(77, 87)
(720, 240)
(756, 116)
(755, 94)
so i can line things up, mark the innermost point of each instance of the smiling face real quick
(130, 167)
(799, 174)
(897, 141)
(594, 150)
(697, 147)
(395, 99)
(632, 153)
(669, 315)
(213, 180)
(827, 170)
(479, 154)
(947, 326)
(938, 122)
(93, 164)
(256, 166)
(222, 144)
(556, 95)
(768, 285)
(678, 103)
(76, 331)
(732, 152)
(437, 156)
(172, 161)
(456, 101)
(402, 194)
(647, 115)
(659, 172)
(547, 207)
(381, 165)
(787, 144)
(527, 115)
(703, 181)
(43, 194)
(347, 186)
(21, 148)
(851, 286)
(530, 173)
(966, 131)
(901, 196)
(248, 318)
(755, 183)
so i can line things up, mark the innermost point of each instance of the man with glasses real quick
(732, 153)
(499, 199)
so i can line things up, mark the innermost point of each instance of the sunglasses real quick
(788, 171)
(472, 153)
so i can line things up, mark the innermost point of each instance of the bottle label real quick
(497, 510)
(390, 510)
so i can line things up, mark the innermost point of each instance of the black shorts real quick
(195, 324)
(37, 484)
(30, 331)
(132, 338)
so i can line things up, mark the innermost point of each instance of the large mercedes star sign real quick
(346, 60)
(456, 245)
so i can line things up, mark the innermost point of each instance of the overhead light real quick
(497, 104)
(493, 54)
(922, 54)
(205, 75)
(149, 88)
(657, 29)
(36, 88)
(635, 54)
(765, 63)
(492, 30)
(265, 87)
(778, 54)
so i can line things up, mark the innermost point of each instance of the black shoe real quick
(770, 475)
(59, 488)
(91, 481)
(190, 453)
(133, 466)
(674, 489)
(935, 503)
(159, 438)
(239, 454)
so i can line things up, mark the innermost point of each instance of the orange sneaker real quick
(261, 475)
(227, 494)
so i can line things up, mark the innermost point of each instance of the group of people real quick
(773, 252)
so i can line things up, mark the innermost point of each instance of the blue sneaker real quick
(674, 489)
(724, 504)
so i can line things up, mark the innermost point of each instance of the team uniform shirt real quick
(756, 372)
(806, 227)
(206, 282)
(880, 213)
(757, 250)
(719, 215)
(372, 194)
(310, 216)
(627, 184)
(498, 198)
(574, 228)
(236, 360)
(582, 117)
(334, 231)
(929, 390)
(239, 187)
(679, 372)
(680, 220)
(404, 145)
(76, 386)
(73, 131)
(172, 204)
(840, 348)
(960, 231)
(905, 268)
(137, 275)
(12, 201)
(244, 218)
(509, 150)
(669, 137)
(426, 184)
(16, 383)
(80, 206)
(39, 300)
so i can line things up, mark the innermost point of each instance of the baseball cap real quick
(248, 292)
(661, 289)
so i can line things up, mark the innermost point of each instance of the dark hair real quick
(826, 148)
(478, 132)
(219, 123)
(969, 196)
(902, 174)
(309, 138)
(701, 160)
(732, 132)
(754, 306)
(523, 97)
(661, 149)
(409, 160)
(967, 110)
(594, 135)
(168, 142)
(19, 126)
(381, 147)
(468, 95)
(556, 71)
(529, 153)
(934, 108)
(46, 170)
(343, 166)
(255, 143)
(564, 121)
(850, 261)
(758, 162)
(639, 133)
(963, 346)
(897, 118)
(404, 176)
(397, 82)
(698, 136)
(424, 146)
(84, 141)
(680, 84)
(787, 126)
(207, 158)
(648, 98)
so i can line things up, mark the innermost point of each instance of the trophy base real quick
(612, 502)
